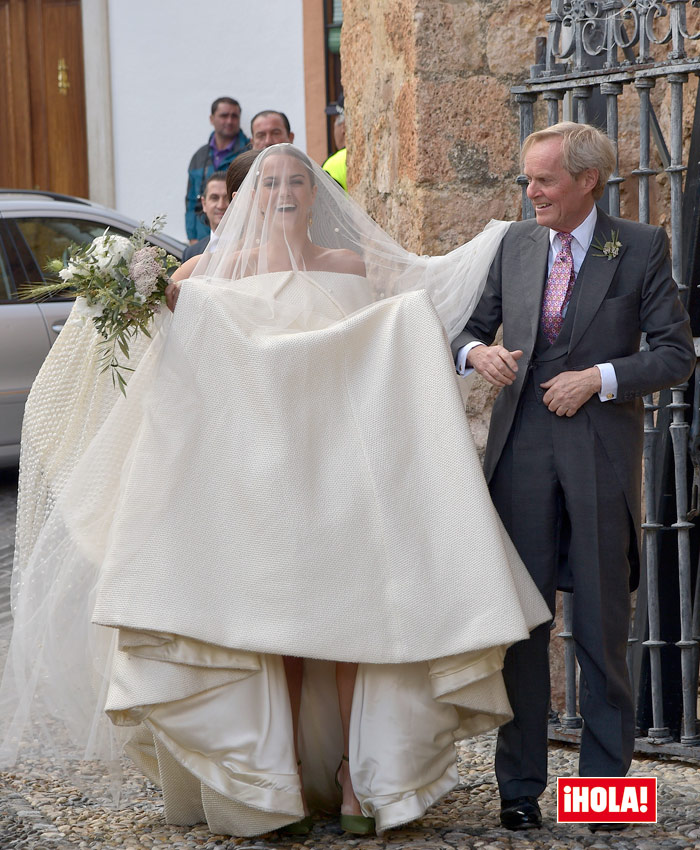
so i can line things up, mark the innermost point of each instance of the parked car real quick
(34, 228)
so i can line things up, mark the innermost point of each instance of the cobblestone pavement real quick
(40, 811)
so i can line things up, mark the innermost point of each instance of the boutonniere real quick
(609, 249)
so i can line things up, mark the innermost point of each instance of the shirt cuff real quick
(608, 381)
(461, 358)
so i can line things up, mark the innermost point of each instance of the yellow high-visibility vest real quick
(335, 166)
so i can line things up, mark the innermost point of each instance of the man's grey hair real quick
(582, 147)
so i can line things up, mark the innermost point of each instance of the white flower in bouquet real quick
(87, 310)
(109, 250)
(120, 284)
(68, 273)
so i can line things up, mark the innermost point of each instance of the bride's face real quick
(285, 191)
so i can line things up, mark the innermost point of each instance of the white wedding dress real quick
(235, 519)
(290, 473)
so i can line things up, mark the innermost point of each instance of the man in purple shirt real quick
(224, 145)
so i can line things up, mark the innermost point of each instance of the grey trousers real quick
(561, 502)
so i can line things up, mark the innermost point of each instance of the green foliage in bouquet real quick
(119, 283)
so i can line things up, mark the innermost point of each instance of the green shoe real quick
(357, 824)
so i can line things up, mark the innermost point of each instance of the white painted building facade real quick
(152, 70)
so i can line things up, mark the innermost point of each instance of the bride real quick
(276, 568)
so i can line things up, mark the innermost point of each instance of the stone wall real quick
(433, 137)
(433, 134)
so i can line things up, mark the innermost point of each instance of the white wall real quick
(169, 60)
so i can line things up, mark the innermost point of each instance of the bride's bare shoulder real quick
(343, 261)
(185, 270)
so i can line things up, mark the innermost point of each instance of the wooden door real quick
(43, 142)
(15, 125)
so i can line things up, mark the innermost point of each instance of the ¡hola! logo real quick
(606, 799)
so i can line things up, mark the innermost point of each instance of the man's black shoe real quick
(607, 827)
(521, 813)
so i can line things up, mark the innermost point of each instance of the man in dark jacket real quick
(224, 145)
(574, 290)
(214, 204)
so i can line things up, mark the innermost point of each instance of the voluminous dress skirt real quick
(316, 493)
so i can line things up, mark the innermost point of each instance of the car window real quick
(49, 238)
(17, 259)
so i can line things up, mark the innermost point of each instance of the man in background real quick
(225, 143)
(214, 204)
(270, 127)
(335, 164)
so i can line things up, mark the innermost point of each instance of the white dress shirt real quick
(581, 242)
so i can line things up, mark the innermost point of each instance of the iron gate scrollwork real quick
(594, 51)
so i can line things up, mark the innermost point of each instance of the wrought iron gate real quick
(595, 51)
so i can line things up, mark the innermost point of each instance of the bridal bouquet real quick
(119, 283)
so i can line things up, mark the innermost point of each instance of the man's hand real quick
(494, 363)
(172, 293)
(568, 391)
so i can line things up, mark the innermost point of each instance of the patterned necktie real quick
(557, 292)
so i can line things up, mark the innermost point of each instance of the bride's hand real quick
(172, 293)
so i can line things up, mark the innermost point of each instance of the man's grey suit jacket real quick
(619, 299)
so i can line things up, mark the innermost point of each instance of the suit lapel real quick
(594, 278)
(533, 259)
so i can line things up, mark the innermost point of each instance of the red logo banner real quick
(606, 799)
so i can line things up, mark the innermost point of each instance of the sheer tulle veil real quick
(288, 216)
(256, 236)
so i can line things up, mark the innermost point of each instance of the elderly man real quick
(574, 290)
(269, 127)
(215, 202)
(225, 143)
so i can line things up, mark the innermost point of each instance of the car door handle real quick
(58, 327)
